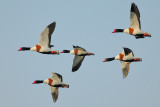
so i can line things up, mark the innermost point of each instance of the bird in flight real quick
(135, 24)
(55, 82)
(126, 57)
(44, 46)
(80, 54)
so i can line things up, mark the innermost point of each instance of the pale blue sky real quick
(87, 23)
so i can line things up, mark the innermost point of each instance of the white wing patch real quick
(45, 36)
(55, 77)
(77, 62)
(135, 17)
(125, 68)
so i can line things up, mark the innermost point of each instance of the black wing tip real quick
(74, 69)
(51, 46)
(52, 24)
(133, 6)
(60, 76)
(54, 99)
(76, 46)
(133, 3)
(127, 51)
(125, 48)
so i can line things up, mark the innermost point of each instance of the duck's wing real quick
(45, 36)
(127, 52)
(125, 68)
(135, 17)
(77, 62)
(78, 48)
(54, 92)
(57, 77)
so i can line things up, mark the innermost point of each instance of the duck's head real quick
(37, 82)
(24, 48)
(109, 59)
(65, 51)
(118, 30)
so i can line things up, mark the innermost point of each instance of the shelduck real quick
(44, 46)
(126, 57)
(135, 24)
(80, 54)
(55, 82)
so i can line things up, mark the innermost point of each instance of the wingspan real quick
(125, 68)
(45, 36)
(77, 62)
(135, 17)
(54, 92)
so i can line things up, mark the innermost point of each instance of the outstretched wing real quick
(125, 68)
(77, 62)
(54, 92)
(78, 48)
(127, 52)
(45, 36)
(135, 17)
(57, 77)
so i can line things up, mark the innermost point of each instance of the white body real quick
(136, 31)
(80, 52)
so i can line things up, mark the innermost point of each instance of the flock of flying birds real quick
(126, 57)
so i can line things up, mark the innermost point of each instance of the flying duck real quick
(55, 81)
(135, 24)
(44, 46)
(126, 57)
(79, 53)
